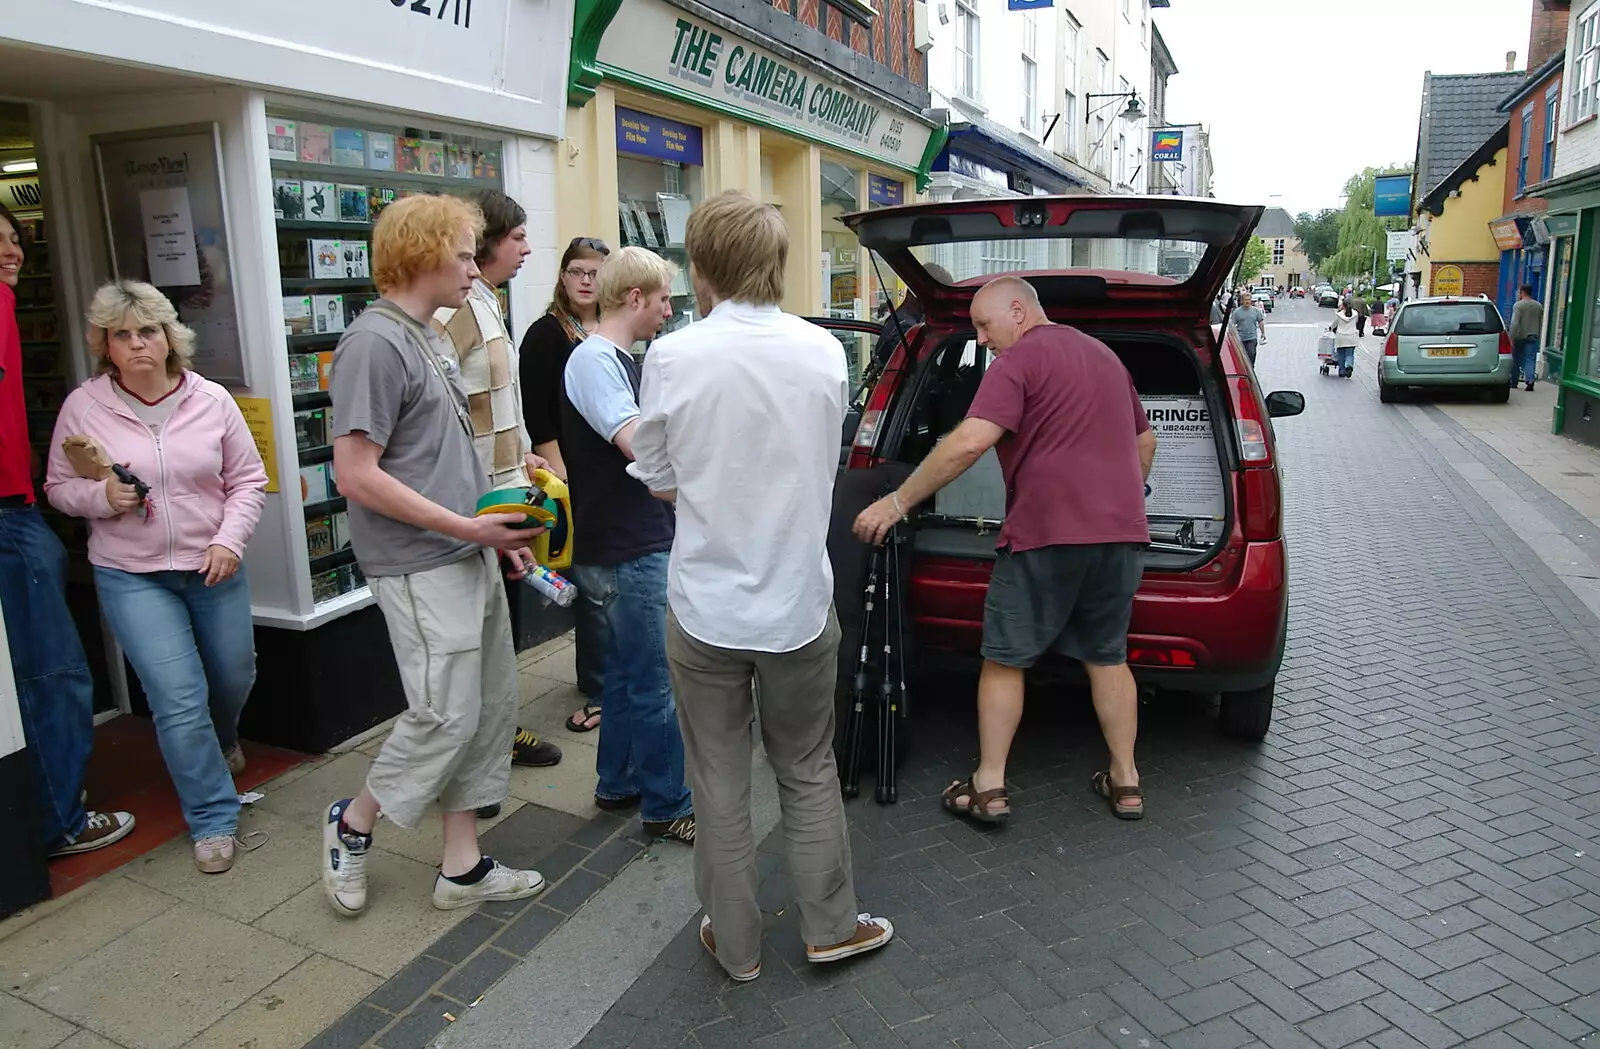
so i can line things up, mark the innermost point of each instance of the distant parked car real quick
(1452, 342)
(1297, 293)
(1262, 297)
(1327, 297)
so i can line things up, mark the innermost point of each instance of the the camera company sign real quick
(663, 44)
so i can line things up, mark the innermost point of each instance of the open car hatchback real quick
(1139, 274)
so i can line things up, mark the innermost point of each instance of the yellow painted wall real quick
(1460, 232)
(764, 163)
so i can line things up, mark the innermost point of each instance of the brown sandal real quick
(977, 804)
(1121, 806)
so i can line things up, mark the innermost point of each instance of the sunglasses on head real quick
(593, 244)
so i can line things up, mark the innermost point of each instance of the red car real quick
(1211, 614)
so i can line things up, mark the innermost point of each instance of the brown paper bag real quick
(87, 457)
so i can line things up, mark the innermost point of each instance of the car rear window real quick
(1449, 318)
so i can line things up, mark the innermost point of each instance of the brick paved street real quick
(1406, 861)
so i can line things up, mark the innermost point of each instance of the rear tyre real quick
(1499, 393)
(1386, 393)
(1247, 715)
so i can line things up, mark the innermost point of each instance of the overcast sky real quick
(1301, 96)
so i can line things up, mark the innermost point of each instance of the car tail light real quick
(1260, 500)
(1177, 658)
(1505, 344)
(1391, 345)
(867, 430)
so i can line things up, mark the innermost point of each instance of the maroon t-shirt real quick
(1070, 456)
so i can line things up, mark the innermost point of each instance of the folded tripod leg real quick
(851, 772)
(888, 708)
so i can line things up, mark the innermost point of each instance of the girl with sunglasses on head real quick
(573, 314)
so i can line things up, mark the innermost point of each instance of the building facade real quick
(279, 138)
(821, 109)
(1458, 183)
(1287, 265)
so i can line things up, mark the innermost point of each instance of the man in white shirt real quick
(739, 425)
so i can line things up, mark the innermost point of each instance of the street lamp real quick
(1131, 112)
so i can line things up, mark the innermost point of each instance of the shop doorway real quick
(51, 368)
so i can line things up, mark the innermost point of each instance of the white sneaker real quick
(871, 933)
(344, 863)
(501, 883)
(214, 855)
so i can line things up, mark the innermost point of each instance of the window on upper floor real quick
(1552, 111)
(1102, 81)
(1527, 147)
(1070, 45)
(1585, 48)
(1278, 248)
(1122, 159)
(1127, 9)
(1030, 95)
(967, 46)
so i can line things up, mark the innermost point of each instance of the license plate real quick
(1448, 351)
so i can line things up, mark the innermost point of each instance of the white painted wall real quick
(1578, 148)
(1124, 39)
(1000, 96)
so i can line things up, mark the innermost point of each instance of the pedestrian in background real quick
(55, 692)
(403, 450)
(750, 587)
(1075, 448)
(1527, 320)
(1346, 337)
(573, 313)
(1249, 323)
(487, 363)
(174, 593)
(622, 560)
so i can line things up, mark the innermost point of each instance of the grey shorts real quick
(1074, 600)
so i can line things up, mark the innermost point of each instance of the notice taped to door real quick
(1186, 480)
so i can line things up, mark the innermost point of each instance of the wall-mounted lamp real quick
(18, 167)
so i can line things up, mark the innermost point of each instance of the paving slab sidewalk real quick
(158, 956)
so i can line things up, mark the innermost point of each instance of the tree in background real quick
(1318, 234)
(1253, 261)
(1361, 233)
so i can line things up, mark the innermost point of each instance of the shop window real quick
(331, 178)
(840, 196)
(1560, 289)
(659, 180)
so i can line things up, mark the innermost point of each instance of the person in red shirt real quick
(1062, 414)
(55, 693)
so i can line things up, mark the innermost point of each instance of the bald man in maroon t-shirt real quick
(1062, 414)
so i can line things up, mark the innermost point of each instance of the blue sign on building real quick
(1391, 196)
(884, 192)
(646, 135)
(1027, 5)
(1166, 144)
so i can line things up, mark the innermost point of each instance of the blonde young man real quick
(740, 428)
(487, 360)
(403, 448)
(621, 564)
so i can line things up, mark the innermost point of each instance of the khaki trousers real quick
(451, 632)
(715, 709)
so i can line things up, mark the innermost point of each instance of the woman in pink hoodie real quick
(167, 560)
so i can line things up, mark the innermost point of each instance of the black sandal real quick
(579, 721)
(1127, 803)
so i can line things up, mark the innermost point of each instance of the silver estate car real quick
(1456, 342)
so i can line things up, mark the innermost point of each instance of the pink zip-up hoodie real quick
(207, 483)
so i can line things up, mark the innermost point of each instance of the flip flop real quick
(580, 722)
(1118, 797)
(977, 804)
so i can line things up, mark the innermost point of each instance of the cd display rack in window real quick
(330, 181)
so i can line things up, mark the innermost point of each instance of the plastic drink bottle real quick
(554, 587)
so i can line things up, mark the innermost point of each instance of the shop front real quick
(1522, 259)
(1557, 233)
(671, 103)
(237, 159)
(1573, 319)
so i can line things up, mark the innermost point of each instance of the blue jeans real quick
(55, 692)
(1524, 360)
(641, 749)
(193, 647)
(1344, 357)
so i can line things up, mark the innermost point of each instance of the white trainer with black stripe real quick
(501, 883)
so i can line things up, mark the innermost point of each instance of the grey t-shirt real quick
(383, 386)
(1247, 319)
